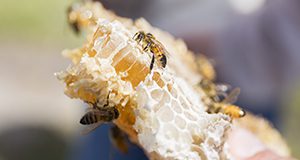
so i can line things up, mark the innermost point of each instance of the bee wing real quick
(91, 128)
(90, 109)
(93, 112)
(232, 96)
(96, 111)
(223, 87)
(118, 139)
(168, 55)
(162, 48)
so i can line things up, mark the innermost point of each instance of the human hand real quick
(246, 146)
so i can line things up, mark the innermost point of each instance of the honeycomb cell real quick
(192, 128)
(183, 103)
(142, 97)
(176, 107)
(165, 114)
(157, 94)
(180, 122)
(171, 132)
(190, 116)
(156, 107)
(174, 93)
(166, 98)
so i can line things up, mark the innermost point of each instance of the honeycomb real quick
(161, 110)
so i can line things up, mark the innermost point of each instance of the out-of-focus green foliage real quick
(35, 20)
(291, 121)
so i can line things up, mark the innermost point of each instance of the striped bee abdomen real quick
(99, 115)
(89, 118)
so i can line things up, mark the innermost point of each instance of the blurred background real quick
(255, 45)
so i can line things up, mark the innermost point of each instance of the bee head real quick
(139, 36)
(242, 112)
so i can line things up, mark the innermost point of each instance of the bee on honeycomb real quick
(158, 108)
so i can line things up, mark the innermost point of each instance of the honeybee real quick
(214, 91)
(225, 106)
(99, 115)
(149, 43)
(118, 139)
(72, 20)
(205, 67)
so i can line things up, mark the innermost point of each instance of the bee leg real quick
(95, 104)
(147, 47)
(118, 139)
(152, 62)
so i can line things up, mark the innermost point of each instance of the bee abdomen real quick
(89, 118)
(162, 60)
(104, 115)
